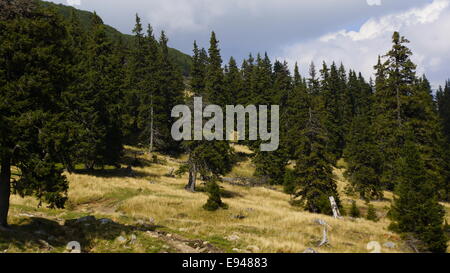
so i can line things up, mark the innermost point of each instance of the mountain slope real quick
(183, 61)
(150, 211)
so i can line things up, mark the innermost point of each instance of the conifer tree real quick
(215, 86)
(403, 100)
(148, 91)
(315, 183)
(210, 159)
(135, 83)
(331, 96)
(443, 104)
(198, 70)
(371, 213)
(170, 92)
(354, 210)
(248, 81)
(364, 160)
(102, 138)
(233, 83)
(33, 72)
(416, 208)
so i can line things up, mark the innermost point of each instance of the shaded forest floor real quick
(148, 210)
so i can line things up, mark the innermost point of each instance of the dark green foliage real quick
(233, 83)
(198, 75)
(402, 100)
(153, 88)
(416, 208)
(315, 183)
(363, 159)
(214, 82)
(181, 60)
(372, 213)
(33, 73)
(354, 210)
(214, 201)
(331, 88)
(209, 159)
(289, 182)
(97, 105)
(443, 104)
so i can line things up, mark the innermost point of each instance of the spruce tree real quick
(371, 213)
(315, 183)
(209, 159)
(354, 210)
(364, 159)
(99, 99)
(443, 104)
(214, 85)
(169, 93)
(416, 208)
(233, 83)
(35, 46)
(402, 100)
(148, 91)
(135, 85)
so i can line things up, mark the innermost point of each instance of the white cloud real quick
(426, 27)
(74, 2)
(374, 2)
(358, 30)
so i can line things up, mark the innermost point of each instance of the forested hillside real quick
(182, 60)
(73, 95)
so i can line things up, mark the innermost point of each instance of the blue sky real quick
(354, 32)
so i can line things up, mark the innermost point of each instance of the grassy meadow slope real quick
(149, 211)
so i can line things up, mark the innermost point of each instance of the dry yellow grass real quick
(271, 223)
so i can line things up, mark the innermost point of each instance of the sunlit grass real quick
(270, 223)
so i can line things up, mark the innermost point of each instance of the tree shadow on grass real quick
(119, 172)
(50, 236)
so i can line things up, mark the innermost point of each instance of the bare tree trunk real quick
(5, 190)
(399, 118)
(151, 126)
(192, 175)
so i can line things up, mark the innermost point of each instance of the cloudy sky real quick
(354, 32)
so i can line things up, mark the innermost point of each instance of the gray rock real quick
(233, 237)
(238, 216)
(310, 250)
(390, 245)
(40, 232)
(253, 249)
(121, 239)
(105, 221)
(133, 239)
(86, 219)
(45, 244)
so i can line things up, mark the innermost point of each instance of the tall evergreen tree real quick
(209, 159)
(198, 70)
(315, 183)
(33, 72)
(233, 83)
(135, 85)
(416, 208)
(169, 93)
(404, 101)
(148, 91)
(214, 86)
(98, 109)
